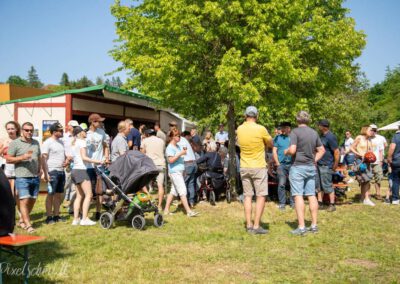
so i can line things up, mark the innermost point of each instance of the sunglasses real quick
(28, 130)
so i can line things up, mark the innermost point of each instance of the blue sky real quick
(74, 36)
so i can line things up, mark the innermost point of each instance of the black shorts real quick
(78, 176)
(57, 181)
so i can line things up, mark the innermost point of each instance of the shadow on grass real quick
(40, 256)
(262, 225)
(295, 224)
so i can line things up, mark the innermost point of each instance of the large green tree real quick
(33, 78)
(215, 57)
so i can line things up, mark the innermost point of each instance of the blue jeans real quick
(396, 183)
(27, 187)
(190, 181)
(302, 180)
(283, 174)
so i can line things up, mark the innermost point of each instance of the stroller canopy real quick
(133, 170)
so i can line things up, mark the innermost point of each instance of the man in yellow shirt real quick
(253, 140)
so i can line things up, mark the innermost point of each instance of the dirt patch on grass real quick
(362, 262)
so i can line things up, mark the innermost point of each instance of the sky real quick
(75, 36)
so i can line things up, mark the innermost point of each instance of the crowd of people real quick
(302, 160)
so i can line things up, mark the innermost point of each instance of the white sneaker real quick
(192, 213)
(350, 180)
(87, 222)
(396, 202)
(368, 202)
(76, 222)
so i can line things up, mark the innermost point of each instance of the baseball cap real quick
(173, 123)
(83, 126)
(373, 126)
(324, 122)
(251, 111)
(150, 132)
(77, 130)
(73, 123)
(55, 126)
(95, 117)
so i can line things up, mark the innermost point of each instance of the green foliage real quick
(99, 81)
(82, 83)
(384, 99)
(200, 56)
(17, 80)
(33, 78)
(64, 80)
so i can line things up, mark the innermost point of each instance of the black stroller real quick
(214, 184)
(128, 175)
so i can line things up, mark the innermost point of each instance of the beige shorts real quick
(254, 180)
(161, 175)
(377, 172)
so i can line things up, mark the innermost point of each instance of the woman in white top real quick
(81, 178)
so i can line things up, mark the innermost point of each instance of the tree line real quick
(32, 80)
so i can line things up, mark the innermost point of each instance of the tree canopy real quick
(205, 56)
(17, 80)
(384, 98)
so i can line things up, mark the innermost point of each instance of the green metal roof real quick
(85, 90)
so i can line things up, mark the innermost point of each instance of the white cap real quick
(251, 111)
(73, 123)
(373, 126)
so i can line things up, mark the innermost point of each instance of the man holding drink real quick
(24, 152)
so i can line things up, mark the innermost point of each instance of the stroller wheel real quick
(228, 196)
(158, 220)
(106, 220)
(212, 198)
(138, 222)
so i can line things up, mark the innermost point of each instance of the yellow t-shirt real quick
(252, 140)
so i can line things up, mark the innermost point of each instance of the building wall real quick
(17, 92)
(93, 106)
(11, 92)
(165, 118)
(4, 92)
(35, 112)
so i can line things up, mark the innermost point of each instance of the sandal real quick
(22, 225)
(30, 229)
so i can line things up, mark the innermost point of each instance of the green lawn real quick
(356, 244)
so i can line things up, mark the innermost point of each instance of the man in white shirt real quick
(53, 162)
(221, 136)
(378, 146)
(190, 170)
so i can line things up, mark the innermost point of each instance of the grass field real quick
(356, 244)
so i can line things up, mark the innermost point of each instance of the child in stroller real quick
(127, 176)
(212, 180)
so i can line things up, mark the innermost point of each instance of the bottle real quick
(49, 188)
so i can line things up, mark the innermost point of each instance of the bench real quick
(13, 245)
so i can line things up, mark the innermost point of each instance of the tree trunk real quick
(232, 150)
